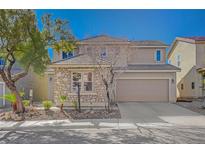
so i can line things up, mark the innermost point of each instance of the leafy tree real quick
(23, 43)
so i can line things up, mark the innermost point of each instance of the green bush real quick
(47, 104)
(10, 97)
(74, 104)
(26, 103)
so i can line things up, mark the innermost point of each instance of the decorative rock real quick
(62, 84)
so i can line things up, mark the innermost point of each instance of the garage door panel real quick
(142, 90)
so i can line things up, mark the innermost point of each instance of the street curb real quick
(97, 124)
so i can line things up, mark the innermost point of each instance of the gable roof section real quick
(103, 38)
(82, 60)
(78, 59)
(192, 40)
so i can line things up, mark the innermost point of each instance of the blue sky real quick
(162, 25)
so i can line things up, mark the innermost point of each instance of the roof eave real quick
(148, 46)
(77, 65)
(155, 71)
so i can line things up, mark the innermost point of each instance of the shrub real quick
(47, 104)
(10, 97)
(26, 103)
(74, 104)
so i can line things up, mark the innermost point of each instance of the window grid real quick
(82, 81)
(192, 85)
(67, 54)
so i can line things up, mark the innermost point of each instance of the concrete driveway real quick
(159, 113)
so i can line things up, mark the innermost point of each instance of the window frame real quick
(105, 51)
(182, 86)
(160, 55)
(192, 85)
(178, 60)
(67, 54)
(82, 90)
(2, 61)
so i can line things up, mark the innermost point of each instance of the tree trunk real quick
(19, 104)
(62, 107)
(11, 85)
(108, 98)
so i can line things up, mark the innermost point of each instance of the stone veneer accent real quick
(62, 86)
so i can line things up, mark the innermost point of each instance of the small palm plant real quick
(11, 98)
(62, 99)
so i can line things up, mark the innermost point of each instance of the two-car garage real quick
(147, 83)
(141, 90)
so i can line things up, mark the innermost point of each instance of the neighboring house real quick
(145, 75)
(188, 53)
(38, 84)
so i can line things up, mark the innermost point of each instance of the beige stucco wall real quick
(123, 54)
(171, 76)
(40, 87)
(200, 56)
(145, 55)
(62, 86)
(188, 72)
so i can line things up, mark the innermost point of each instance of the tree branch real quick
(22, 74)
(11, 63)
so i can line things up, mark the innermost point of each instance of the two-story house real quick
(145, 75)
(188, 53)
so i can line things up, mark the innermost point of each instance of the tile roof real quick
(150, 67)
(78, 59)
(106, 38)
(148, 43)
(196, 38)
(81, 59)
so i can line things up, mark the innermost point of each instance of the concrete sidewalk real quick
(90, 123)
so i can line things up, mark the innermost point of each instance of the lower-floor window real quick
(182, 86)
(82, 79)
(192, 85)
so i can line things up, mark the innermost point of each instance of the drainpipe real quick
(79, 109)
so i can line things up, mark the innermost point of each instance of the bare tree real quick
(109, 69)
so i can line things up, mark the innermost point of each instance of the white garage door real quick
(141, 90)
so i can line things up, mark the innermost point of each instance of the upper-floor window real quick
(103, 53)
(178, 60)
(158, 55)
(2, 61)
(66, 55)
